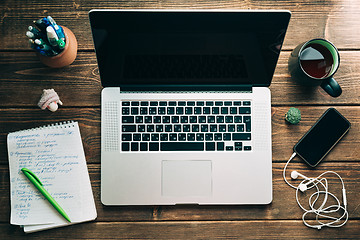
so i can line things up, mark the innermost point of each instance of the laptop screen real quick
(187, 48)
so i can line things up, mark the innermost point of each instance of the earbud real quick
(295, 175)
(302, 186)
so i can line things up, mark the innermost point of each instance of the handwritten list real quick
(55, 154)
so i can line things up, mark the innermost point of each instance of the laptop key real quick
(139, 119)
(125, 111)
(200, 103)
(157, 119)
(199, 137)
(166, 119)
(218, 103)
(219, 119)
(154, 137)
(191, 136)
(238, 146)
(211, 119)
(175, 119)
(143, 103)
(227, 103)
(134, 111)
(159, 128)
(241, 136)
(181, 103)
(238, 119)
(197, 110)
(193, 119)
(237, 103)
(182, 146)
(229, 148)
(247, 148)
(202, 119)
(209, 137)
(161, 110)
(233, 110)
(129, 128)
(134, 146)
(206, 110)
(137, 137)
(168, 128)
(188, 110)
(172, 103)
(141, 128)
(247, 103)
(143, 146)
(210, 146)
(143, 110)
(153, 146)
(126, 137)
(134, 103)
(125, 104)
(182, 137)
(217, 136)
(172, 137)
(164, 137)
(146, 137)
(215, 110)
(163, 103)
(148, 119)
(180, 110)
(191, 103)
(125, 146)
(220, 146)
(150, 128)
(240, 128)
(209, 103)
(153, 103)
(195, 128)
(229, 119)
(170, 110)
(184, 119)
(127, 119)
(227, 136)
(177, 128)
(224, 110)
(152, 110)
(244, 110)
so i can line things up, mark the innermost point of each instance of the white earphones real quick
(302, 186)
(321, 211)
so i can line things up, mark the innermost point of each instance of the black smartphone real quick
(322, 137)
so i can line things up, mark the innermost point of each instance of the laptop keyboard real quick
(186, 126)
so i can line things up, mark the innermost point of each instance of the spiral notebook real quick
(55, 154)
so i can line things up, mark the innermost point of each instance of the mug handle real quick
(332, 87)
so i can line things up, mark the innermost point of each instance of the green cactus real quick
(293, 116)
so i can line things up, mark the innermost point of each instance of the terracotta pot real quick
(67, 56)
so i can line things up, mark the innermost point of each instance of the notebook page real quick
(55, 154)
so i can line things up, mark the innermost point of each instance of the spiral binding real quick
(64, 124)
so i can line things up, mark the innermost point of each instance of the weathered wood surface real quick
(22, 78)
(338, 21)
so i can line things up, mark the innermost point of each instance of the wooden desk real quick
(23, 77)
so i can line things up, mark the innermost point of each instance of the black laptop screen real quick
(150, 48)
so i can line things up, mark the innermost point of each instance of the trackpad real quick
(186, 178)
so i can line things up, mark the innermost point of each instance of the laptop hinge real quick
(186, 88)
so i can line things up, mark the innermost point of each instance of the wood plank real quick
(335, 20)
(283, 206)
(23, 77)
(284, 136)
(188, 230)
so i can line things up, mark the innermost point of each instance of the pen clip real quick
(27, 171)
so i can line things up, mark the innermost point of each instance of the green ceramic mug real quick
(314, 63)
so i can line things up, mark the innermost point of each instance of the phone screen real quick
(322, 137)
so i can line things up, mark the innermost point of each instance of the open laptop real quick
(186, 108)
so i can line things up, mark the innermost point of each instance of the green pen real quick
(36, 181)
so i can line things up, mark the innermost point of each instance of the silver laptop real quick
(186, 108)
